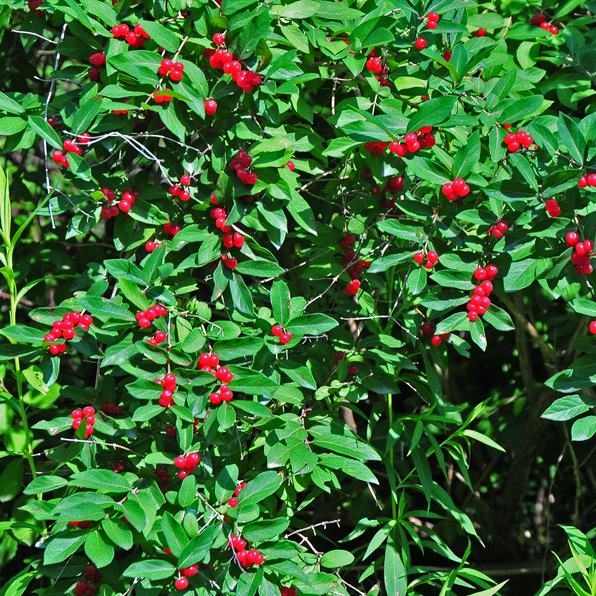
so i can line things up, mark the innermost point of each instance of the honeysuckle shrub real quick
(242, 244)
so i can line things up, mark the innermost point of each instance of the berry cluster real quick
(540, 21)
(210, 363)
(427, 329)
(431, 259)
(354, 269)
(135, 38)
(164, 477)
(166, 399)
(515, 141)
(414, 141)
(233, 501)
(437, 340)
(245, 558)
(480, 301)
(87, 412)
(553, 208)
(182, 193)
(230, 240)
(239, 165)
(224, 60)
(65, 329)
(394, 185)
(173, 68)
(374, 65)
(581, 255)
(284, 336)
(118, 467)
(88, 586)
(499, 229)
(375, 147)
(187, 464)
(589, 180)
(127, 199)
(454, 190)
(144, 317)
(432, 20)
(110, 408)
(338, 356)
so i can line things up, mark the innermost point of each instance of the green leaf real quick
(226, 483)
(337, 558)
(11, 480)
(498, 318)
(241, 296)
(520, 275)
(45, 131)
(569, 407)
(123, 268)
(105, 309)
(422, 167)
(584, 307)
(572, 136)
(432, 112)
(259, 268)
(175, 536)
(17, 585)
(520, 109)
(252, 33)
(151, 569)
(482, 439)
(98, 549)
(395, 574)
(161, 35)
(303, 9)
(300, 210)
(315, 324)
(197, 548)
(583, 429)
(266, 529)
(237, 348)
(44, 484)
(298, 373)
(118, 532)
(467, 157)
(85, 115)
(63, 545)
(101, 480)
(490, 591)
(264, 485)
(280, 302)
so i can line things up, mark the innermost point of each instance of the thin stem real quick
(393, 495)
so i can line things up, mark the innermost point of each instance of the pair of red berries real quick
(539, 20)
(454, 190)
(159, 338)
(431, 259)
(233, 501)
(83, 588)
(437, 340)
(163, 96)
(187, 464)
(431, 20)
(553, 208)
(499, 229)
(87, 412)
(80, 524)
(118, 467)
(110, 408)
(422, 139)
(174, 69)
(171, 229)
(65, 329)
(489, 272)
(589, 180)
(284, 336)
(515, 141)
(239, 164)
(581, 255)
(34, 5)
(338, 356)
(245, 558)
(150, 246)
(166, 399)
(224, 394)
(229, 262)
(98, 59)
(375, 65)
(144, 317)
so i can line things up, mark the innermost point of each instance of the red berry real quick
(436, 340)
(593, 327)
(181, 583)
(210, 107)
(233, 502)
(480, 273)
(277, 330)
(421, 43)
(285, 338)
(219, 39)
(176, 76)
(352, 369)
